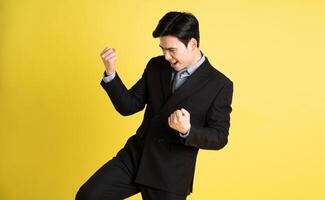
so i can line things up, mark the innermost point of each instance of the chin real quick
(177, 67)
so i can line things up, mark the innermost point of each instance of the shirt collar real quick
(191, 69)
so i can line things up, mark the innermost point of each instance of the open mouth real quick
(174, 63)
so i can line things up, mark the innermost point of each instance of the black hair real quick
(182, 25)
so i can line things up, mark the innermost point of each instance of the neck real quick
(197, 55)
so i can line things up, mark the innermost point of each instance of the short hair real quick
(182, 25)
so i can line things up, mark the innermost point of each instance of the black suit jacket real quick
(164, 160)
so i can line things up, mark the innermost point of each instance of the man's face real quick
(176, 53)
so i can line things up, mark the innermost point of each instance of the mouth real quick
(173, 63)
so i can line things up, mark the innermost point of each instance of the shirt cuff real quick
(108, 78)
(185, 136)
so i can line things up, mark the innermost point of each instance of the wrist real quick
(109, 72)
(185, 132)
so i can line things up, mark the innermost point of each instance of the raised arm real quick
(125, 101)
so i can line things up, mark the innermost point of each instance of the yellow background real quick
(57, 126)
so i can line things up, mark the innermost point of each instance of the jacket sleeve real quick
(214, 134)
(127, 102)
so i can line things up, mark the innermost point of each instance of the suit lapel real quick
(193, 83)
(165, 78)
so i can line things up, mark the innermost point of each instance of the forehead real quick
(169, 42)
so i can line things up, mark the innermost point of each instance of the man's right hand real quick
(109, 58)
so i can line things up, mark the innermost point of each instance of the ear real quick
(193, 43)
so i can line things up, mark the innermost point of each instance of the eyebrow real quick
(170, 48)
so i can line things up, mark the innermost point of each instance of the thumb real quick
(185, 112)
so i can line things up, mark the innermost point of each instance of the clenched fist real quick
(108, 56)
(180, 121)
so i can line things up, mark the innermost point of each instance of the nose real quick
(167, 56)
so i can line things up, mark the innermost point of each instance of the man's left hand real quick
(179, 120)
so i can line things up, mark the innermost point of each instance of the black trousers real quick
(115, 180)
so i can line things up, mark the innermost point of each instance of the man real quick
(188, 105)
